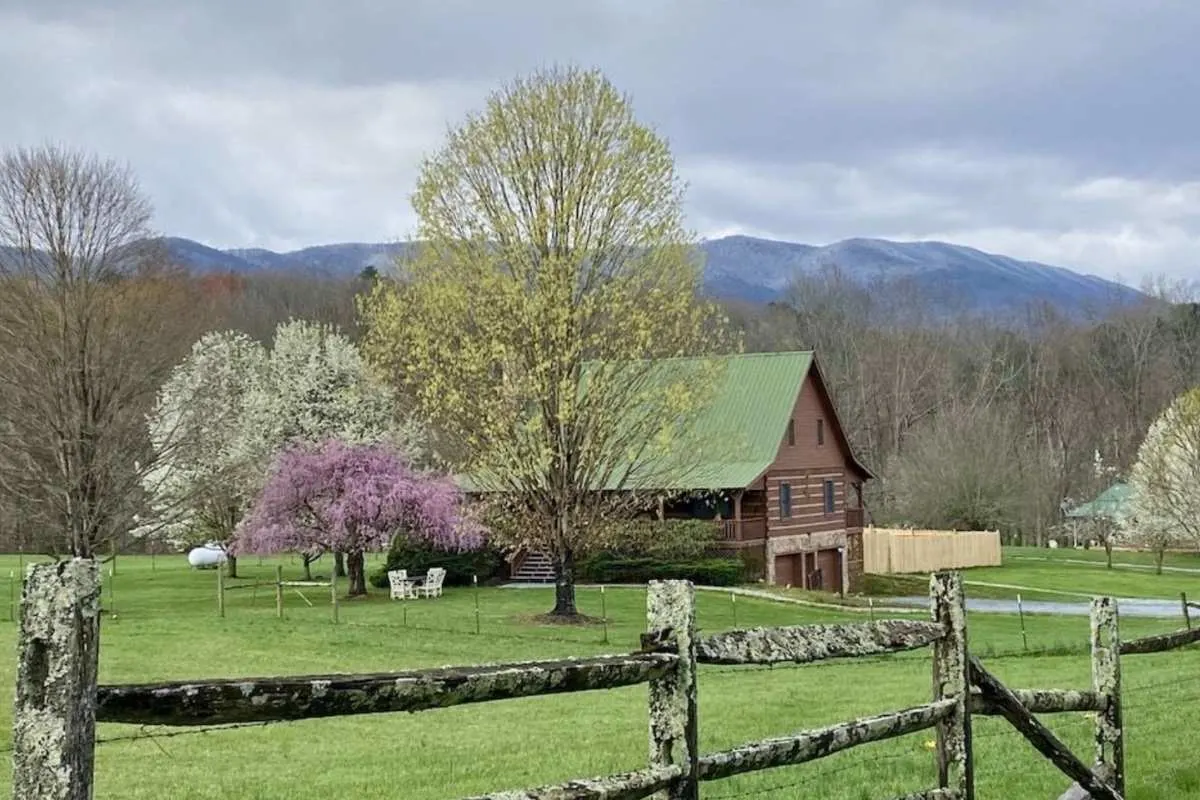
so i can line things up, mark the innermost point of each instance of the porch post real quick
(662, 514)
(842, 551)
(737, 514)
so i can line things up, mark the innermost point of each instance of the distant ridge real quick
(760, 270)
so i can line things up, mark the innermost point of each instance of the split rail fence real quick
(59, 703)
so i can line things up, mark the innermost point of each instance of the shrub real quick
(617, 568)
(417, 558)
(754, 564)
(670, 539)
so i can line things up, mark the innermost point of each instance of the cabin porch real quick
(740, 515)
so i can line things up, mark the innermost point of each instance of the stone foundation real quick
(809, 543)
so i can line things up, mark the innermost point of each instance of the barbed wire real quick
(817, 775)
(146, 733)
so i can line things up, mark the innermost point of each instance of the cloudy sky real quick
(1066, 131)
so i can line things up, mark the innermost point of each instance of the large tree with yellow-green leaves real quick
(542, 324)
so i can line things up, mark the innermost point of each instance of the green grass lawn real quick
(1044, 574)
(166, 628)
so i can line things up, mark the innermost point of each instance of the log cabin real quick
(794, 500)
(789, 497)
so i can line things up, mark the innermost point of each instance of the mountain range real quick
(760, 270)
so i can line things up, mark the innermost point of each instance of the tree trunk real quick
(1108, 553)
(339, 563)
(564, 584)
(230, 565)
(1158, 559)
(307, 561)
(356, 570)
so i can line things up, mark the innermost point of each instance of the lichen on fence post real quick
(54, 717)
(950, 680)
(1106, 680)
(671, 624)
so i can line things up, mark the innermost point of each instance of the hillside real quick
(759, 270)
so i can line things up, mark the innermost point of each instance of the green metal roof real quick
(1108, 504)
(746, 419)
(742, 425)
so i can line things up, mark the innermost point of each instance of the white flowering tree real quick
(1164, 506)
(202, 482)
(316, 386)
(241, 404)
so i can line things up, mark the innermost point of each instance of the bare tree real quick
(89, 327)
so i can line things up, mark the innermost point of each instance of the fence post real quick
(671, 626)
(54, 718)
(279, 591)
(333, 596)
(1187, 615)
(1021, 617)
(1106, 679)
(220, 591)
(950, 679)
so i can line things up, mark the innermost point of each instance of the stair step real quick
(536, 567)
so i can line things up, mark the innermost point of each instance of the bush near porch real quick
(642, 550)
(485, 564)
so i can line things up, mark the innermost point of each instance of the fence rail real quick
(241, 700)
(59, 702)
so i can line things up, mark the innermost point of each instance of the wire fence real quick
(1136, 697)
(1139, 698)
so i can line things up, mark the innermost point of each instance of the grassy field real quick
(1044, 574)
(166, 627)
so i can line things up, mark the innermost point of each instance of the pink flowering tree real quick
(353, 498)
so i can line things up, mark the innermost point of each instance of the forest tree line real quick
(969, 422)
(975, 422)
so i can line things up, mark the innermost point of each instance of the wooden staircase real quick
(533, 566)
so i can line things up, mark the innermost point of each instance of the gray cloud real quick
(1063, 131)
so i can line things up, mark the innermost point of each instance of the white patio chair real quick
(401, 586)
(432, 587)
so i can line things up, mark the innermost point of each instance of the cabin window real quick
(791, 434)
(829, 497)
(785, 500)
(820, 431)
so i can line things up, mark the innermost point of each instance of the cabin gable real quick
(814, 496)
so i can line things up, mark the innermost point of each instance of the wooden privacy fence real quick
(58, 702)
(888, 551)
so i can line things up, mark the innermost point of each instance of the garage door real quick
(787, 570)
(829, 562)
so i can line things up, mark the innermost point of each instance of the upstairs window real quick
(785, 500)
(791, 433)
(820, 431)
(829, 497)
